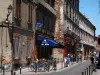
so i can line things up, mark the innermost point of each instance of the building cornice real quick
(87, 20)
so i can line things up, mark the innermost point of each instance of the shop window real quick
(30, 13)
(16, 47)
(29, 48)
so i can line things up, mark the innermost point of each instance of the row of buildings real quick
(62, 25)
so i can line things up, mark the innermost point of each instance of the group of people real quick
(72, 58)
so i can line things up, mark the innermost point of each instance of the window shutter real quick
(16, 48)
(29, 48)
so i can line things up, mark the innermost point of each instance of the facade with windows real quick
(27, 32)
(78, 30)
(71, 26)
(24, 20)
(45, 14)
(87, 35)
(97, 41)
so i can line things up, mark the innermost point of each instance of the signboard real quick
(44, 43)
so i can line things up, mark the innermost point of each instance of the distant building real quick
(97, 44)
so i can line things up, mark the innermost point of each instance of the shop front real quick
(45, 46)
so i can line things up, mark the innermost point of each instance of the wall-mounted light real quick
(10, 9)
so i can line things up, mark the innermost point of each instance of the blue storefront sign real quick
(47, 42)
(38, 25)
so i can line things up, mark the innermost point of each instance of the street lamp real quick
(9, 12)
(10, 9)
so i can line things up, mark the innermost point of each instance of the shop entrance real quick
(44, 52)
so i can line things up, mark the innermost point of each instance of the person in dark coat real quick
(92, 59)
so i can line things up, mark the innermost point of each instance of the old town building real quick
(77, 28)
(87, 35)
(43, 28)
(24, 21)
(97, 41)
(71, 27)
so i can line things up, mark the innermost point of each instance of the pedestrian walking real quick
(92, 59)
(92, 62)
(65, 62)
(68, 60)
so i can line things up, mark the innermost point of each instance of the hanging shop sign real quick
(78, 47)
(68, 40)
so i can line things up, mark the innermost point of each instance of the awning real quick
(48, 42)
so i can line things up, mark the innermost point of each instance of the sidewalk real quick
(60, 67)
(97, 72)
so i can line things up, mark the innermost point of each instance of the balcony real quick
(87, 43)
(45, 31)
(46, 5)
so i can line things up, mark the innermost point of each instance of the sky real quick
(90, 8)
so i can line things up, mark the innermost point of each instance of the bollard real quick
(20, 70)
(91, 69)
(48, 67)
(11, 72)
(87, 70)
(14, 73)
(3, 70)
(82, 73)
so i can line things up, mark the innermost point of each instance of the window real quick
(52, 3)
(16, 47)
(30, 13)
(29, 48)
(18, 8)
(39, 17)
(45, 21)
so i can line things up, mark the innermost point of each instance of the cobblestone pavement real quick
(75, 69)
